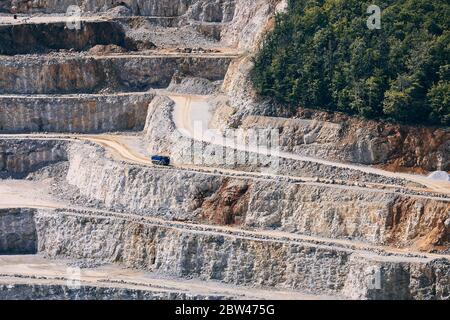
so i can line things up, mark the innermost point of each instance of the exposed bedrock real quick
(240, 260)
(355, 140)
(162, 137)
(42, 37)
(160, 132)
(71, 74)
(36, 291)
(307, 208)
(252, 20)
(212, 10)
(391, 281)
(201, 10)
(371, 216)
(136, 188)
(17, 231)
(20, 157)
(81, 114)
(189, 152)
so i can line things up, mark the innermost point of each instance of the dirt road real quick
(192, 115)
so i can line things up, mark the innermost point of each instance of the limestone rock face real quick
(213, 11)
(87, 292)
(306, 137)
(373, 274)
(40, 38)
(162, 137)
(251, 22)
(87, 74)
(142, 189)
(292, 224)
(328, 211)
(347, 139)
(397, 147)
(81, 114)
(18, 158)
(253, 19)
(160, 131)
(18, 234)
(239, 260)
(200, 10)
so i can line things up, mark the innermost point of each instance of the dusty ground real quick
(25, 194)
(38, 270)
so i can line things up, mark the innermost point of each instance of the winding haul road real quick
(192, 115)
(189, 114)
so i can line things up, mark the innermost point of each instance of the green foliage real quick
(439, 97)
(322, 55)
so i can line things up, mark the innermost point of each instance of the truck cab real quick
(160, 160)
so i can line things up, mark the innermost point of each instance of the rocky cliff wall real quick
(17, 232)
(84, 74)
(318, 139)
(41, 38)
(159, 131)
(252, 19)
(18, 157)
(81, 114)
(240, 260)
(306, 208)
(373, 280)
(148, 190)
(200, 10)
(162, 137)
(54, 291)
(370, 216)
(342, 138)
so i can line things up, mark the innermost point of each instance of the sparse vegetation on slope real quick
(322, 55)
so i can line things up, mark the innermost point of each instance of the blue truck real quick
(160, 160)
